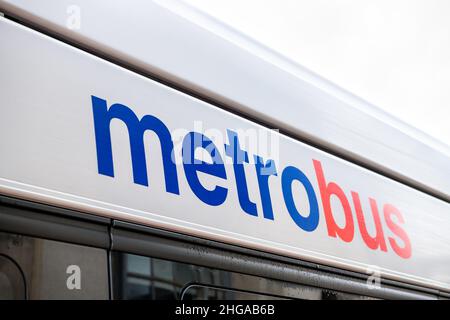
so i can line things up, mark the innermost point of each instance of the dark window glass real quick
(53, 269)
(139, 277)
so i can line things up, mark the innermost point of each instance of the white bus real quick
(149, 152)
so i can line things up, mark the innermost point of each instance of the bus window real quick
(140, 277)
(52, 269)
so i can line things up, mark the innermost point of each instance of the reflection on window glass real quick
(146, 278)
(149, 278)
(139, 265)
(137, 277)
(53, 269)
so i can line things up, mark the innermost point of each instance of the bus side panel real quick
(82, 133)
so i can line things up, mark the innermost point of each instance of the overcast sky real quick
(393, 53)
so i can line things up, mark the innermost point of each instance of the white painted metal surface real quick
(48, 154)
(179, 44)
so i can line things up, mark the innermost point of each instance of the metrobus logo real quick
(265, 169)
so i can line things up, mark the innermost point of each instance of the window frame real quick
(168, 245)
